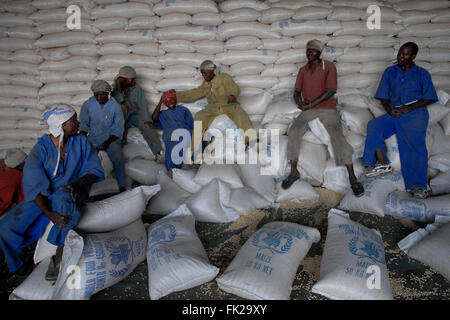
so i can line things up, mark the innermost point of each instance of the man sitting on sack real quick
(135, 107)
(405, 90)
(102, 121)
(221, 92)
(314, 92)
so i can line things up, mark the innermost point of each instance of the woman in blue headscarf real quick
(58, 173)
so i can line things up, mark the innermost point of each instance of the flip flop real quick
(287, 183)
(358, 189)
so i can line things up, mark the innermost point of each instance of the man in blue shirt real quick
(135, 106)
(103, 120)
(57, 176)
(404, 91)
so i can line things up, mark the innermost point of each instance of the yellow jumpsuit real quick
(216, 92)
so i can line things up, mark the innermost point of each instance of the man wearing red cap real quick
(177, 123)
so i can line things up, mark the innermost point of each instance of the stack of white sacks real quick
(262, 45)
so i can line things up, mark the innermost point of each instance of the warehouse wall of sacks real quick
(262, 45)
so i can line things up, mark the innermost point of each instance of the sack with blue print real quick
(96, 261)
(265, 266)
(353, 265)
(176, 258)
(376, 190)
(430, 245)
(403, 204)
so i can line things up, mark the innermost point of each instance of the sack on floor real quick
(144, 171)
(403, 204)
(184, 178)
(246, 199)
(35, 287)
(265, 267)
(376, 190)
(253, 176)
(441, 183)
(353, 265)
(210, 204)
(117, 211)
(300, 190)
(176, 258)
(225, 172)
(93, 262)
(169, 198)
(430, 245)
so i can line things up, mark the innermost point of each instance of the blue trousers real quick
(25, 224)
(411, 131)
(115, 154)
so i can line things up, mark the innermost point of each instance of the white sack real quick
(123, 250)
(429, 245)
(185, 6)
(227, 173)
(403, 204)
(297, 27)
(440, 184)
(234, 56)
(350, 249)
(232, 29)
(184, 178)
(244, 200)
(246, 68)
(144, 171)
(211, 203)
(299, 191)
(191, 33)
(265, 267)
(376, 190)
(176, 257)
(169, 198)
(116, 211)
(256, 104)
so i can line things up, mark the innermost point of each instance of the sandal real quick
(379, 169)
(287, 183)
(419, 193)
(358, 189)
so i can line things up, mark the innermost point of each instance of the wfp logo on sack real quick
(120, 254)
(366, 249)
(414, 209)
(276, 242)
(162, 234)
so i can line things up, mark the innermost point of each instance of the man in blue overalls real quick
(404, 91)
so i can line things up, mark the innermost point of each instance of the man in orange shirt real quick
(314, 94)
(11, 190)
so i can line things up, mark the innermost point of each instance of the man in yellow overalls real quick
(221, 92)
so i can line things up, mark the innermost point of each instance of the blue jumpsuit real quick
(170, 120)
(25, 223)
(401, 89)
(101, 123)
